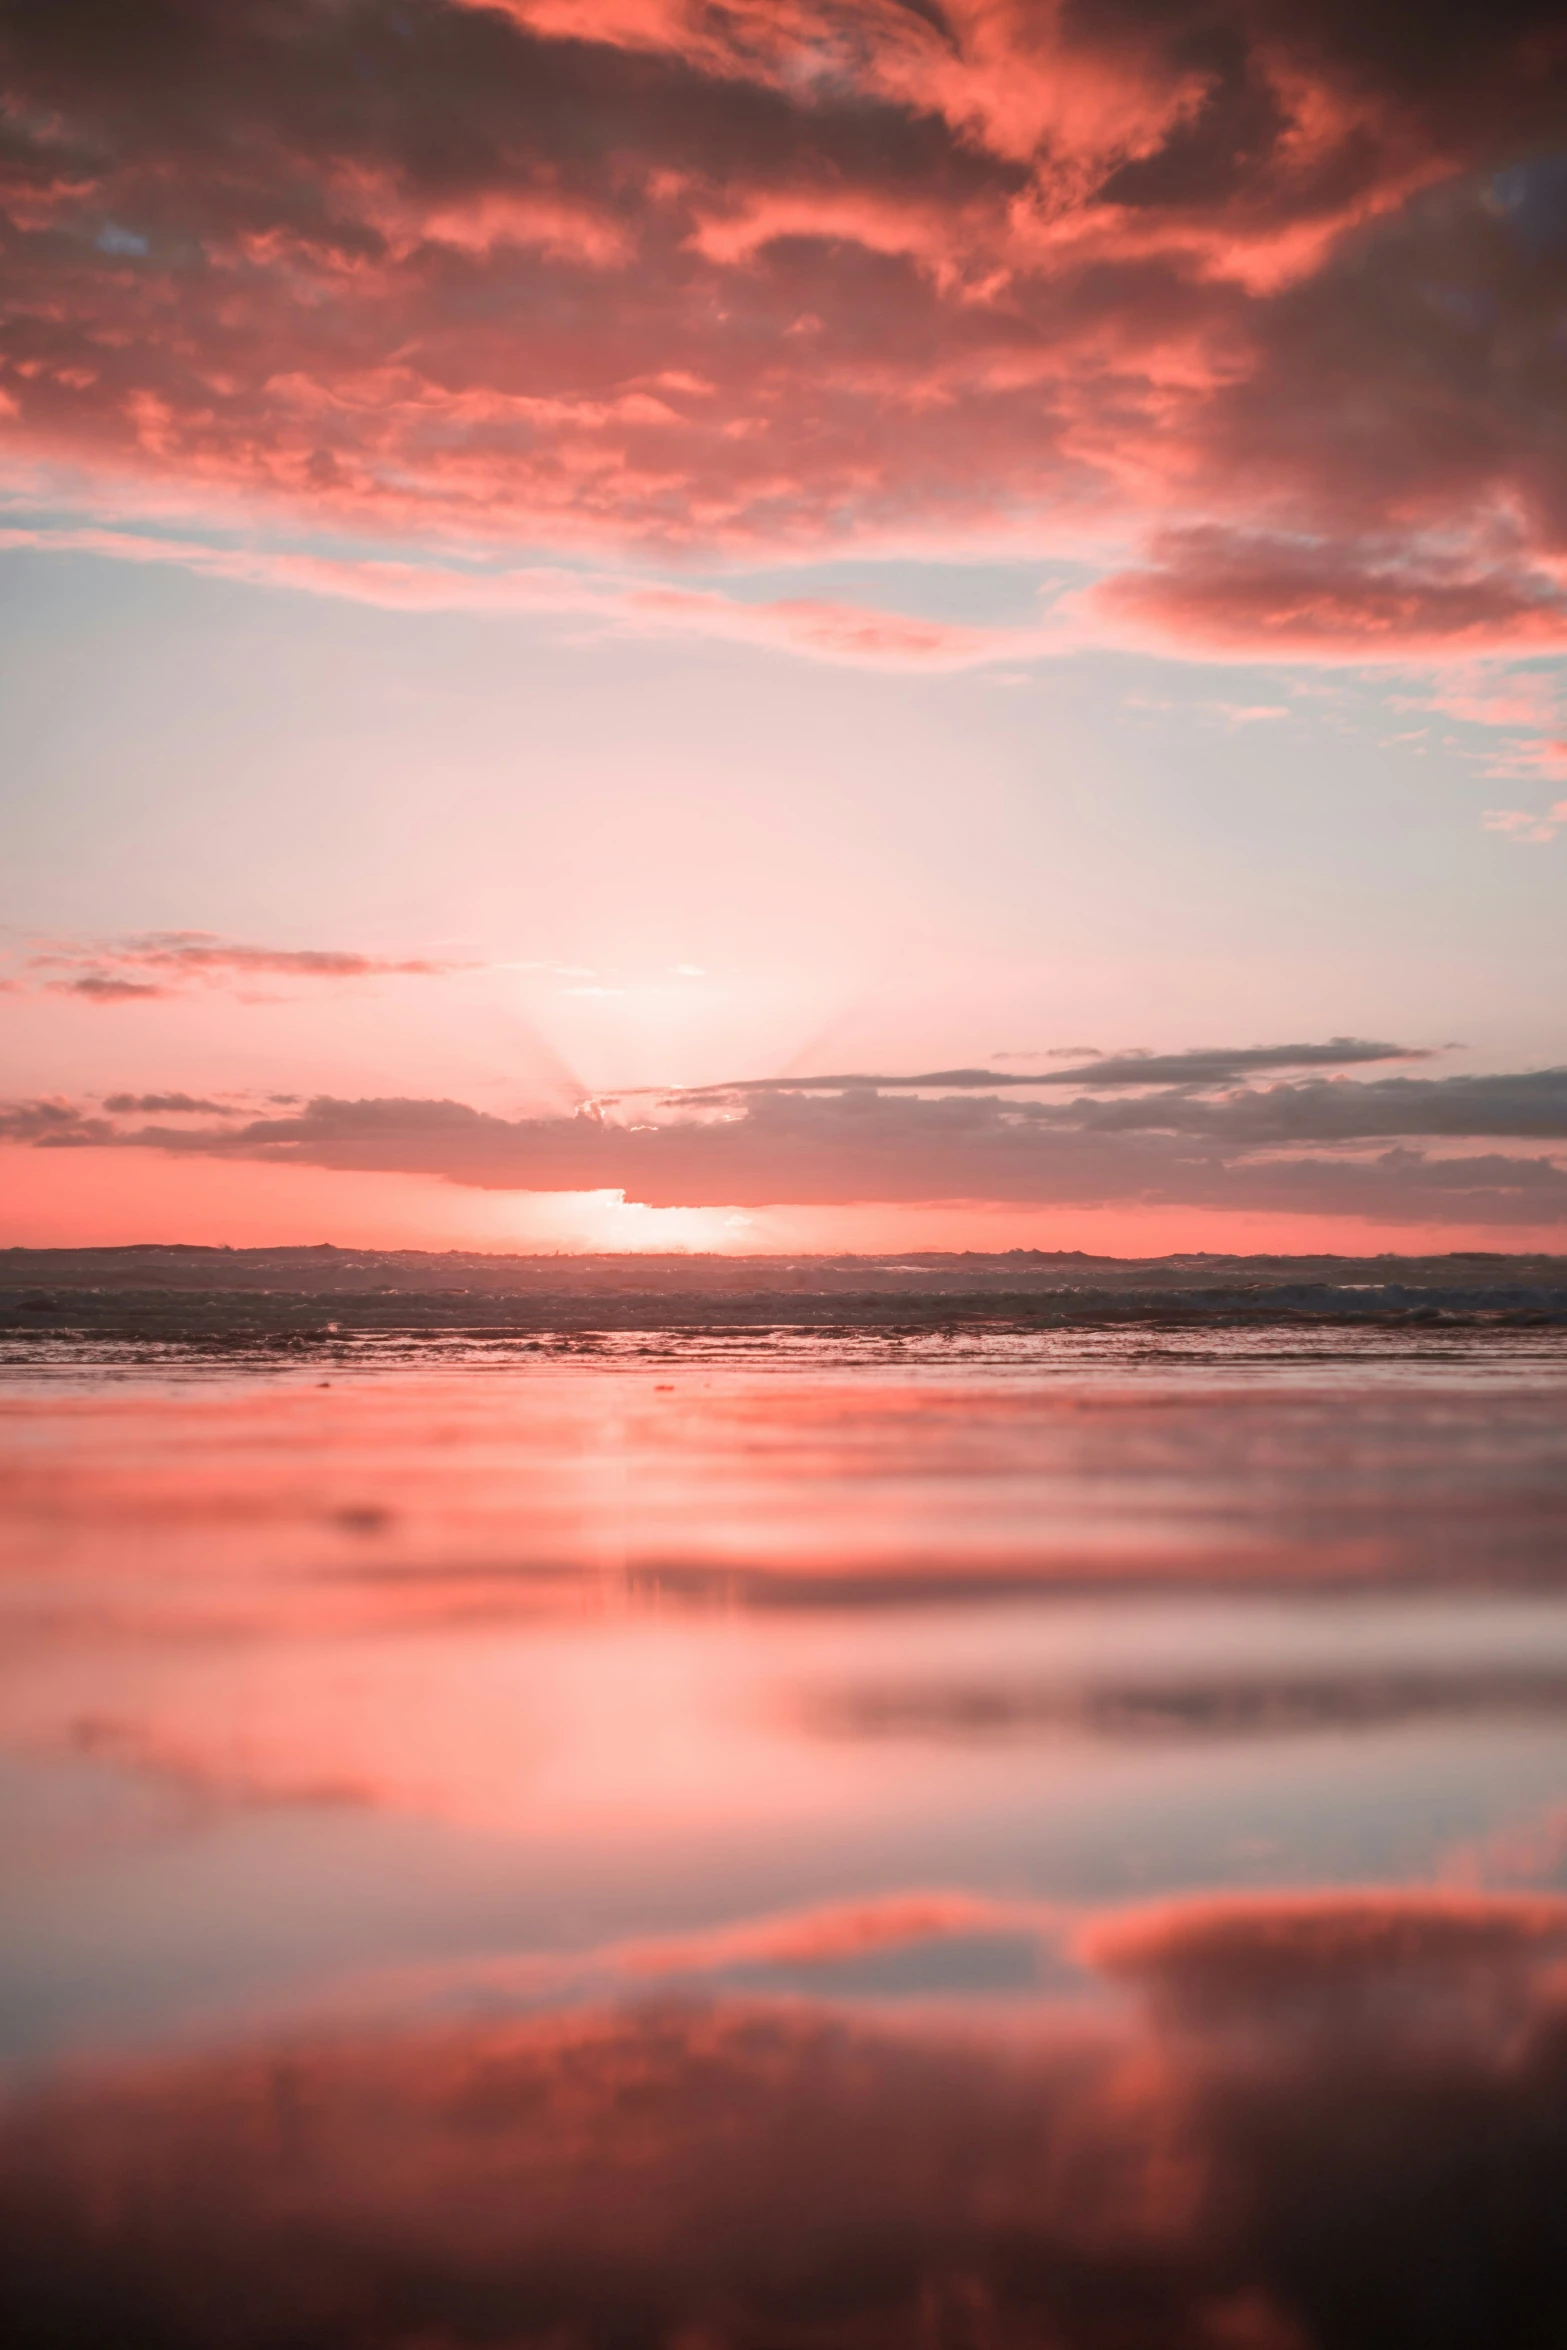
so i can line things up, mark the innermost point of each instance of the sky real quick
(591, 587)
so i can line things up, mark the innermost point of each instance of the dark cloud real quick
(1337, 2123)
(168, 1105)
(1283, 279)
(1239, 593)
(102, 987)
(1529, 1105)
(52, 1123)
(1300, 1148)
(1223, 1064)
(195, 951)
(1201, 1065)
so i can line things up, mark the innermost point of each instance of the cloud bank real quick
(1278, 285)
(1399, 1149)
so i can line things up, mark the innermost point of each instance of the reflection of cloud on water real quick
(922, 1944)
(209, 1782)
(1336, 2123)
(1279, 1705)
(1527, 1851)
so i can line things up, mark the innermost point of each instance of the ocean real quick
(690, 1804)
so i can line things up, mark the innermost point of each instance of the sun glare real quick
(612, 1222)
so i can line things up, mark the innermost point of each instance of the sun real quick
(611, 1222)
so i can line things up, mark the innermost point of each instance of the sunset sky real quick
(566, 561)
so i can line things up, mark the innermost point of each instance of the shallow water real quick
(1057, 1839)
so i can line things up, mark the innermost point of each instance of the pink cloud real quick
(1511, 700)
(830, 631)
(804, 273)
(814, 628)
(161, 963)
(1543, 759)
(1520, 825)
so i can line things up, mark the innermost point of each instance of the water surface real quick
(772, 1837)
